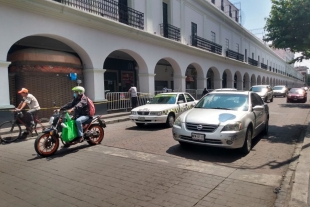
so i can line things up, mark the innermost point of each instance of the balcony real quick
(234, 55)
(170, 32)
(252, 62)
(206, 45)
(264, 66)
(109, 9)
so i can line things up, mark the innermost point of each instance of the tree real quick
(288, 27)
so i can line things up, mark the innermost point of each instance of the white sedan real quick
(163, 108)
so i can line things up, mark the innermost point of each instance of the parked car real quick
(264, 91)
(296, 94)
(223, 119)
(280, 91)
(163, 108)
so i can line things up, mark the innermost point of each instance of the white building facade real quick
(178, 44)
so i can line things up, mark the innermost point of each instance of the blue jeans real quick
(79, 121)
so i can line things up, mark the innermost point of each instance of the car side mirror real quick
(180, 102)
(258, 108)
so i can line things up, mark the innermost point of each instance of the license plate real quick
(198, 137)
(141, 118)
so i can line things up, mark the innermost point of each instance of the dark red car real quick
(296, 94)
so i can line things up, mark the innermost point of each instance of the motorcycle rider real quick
(80, 107)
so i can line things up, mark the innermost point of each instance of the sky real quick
(253, 14)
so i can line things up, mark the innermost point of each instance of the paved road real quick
(146, 167)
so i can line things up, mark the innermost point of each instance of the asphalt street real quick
(146, 167)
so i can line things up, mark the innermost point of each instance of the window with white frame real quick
(237, 47)
(213, 38)
(227, 43)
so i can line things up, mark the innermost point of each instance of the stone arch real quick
(263, 80)
(253, 80)
(194, 73)
(259, 80)
(246, 81)
(227, 79)
(268, 81)
(168, 74)
(238, 81)
(213, 78)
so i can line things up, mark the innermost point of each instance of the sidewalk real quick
(294, 190)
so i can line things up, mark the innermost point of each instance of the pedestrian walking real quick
(134, 98)
(204, 92)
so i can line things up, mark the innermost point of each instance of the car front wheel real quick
(170, 120)
(247, 146)
(266, 129)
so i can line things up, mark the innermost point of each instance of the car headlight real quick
(233, 127)
(156, 113)
(133, 113)
(178, 122)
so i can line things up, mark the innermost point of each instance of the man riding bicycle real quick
(32, 103)
(80, 107)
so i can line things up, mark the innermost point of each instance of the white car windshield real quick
(236, 102)
(164, 99)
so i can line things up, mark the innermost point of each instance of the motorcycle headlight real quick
(133, 113)
(178, 122)
(156, 113)
(233, 127)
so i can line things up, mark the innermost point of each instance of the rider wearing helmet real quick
(80, 107)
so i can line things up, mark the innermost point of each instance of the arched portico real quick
(253, 80)
(227, 79)
(238, 83)
(263, 80)
(259, 80)
(213, 78)
(246, 82)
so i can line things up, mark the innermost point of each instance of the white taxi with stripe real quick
(163, 108)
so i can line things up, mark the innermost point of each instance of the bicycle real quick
(10, 131)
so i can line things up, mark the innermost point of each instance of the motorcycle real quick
(47, 142)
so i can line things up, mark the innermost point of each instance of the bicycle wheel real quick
(41, 125)
(10, 131)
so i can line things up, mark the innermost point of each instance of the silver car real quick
(264, 91)
(223, 119)
(280, 91)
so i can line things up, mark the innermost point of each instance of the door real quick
(256, 100)
(165, 19)
(194, 34)
(181, 103)
(190, 101)
(123, 11)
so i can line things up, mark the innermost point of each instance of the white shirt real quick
(133, 91)
(31, 101)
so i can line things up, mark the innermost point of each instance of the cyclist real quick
(32, 103)
(80, 107)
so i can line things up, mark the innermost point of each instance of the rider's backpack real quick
(91, 107)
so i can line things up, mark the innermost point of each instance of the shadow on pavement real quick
(295, 105)
(61, 152)
(148, 127)
(288, 134)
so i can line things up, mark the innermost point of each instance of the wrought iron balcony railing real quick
(270, 68)
(206, 45)
(237, 19)
(170, 32)
(109, 9)
(213, 1)
(234, 55)
(264, 66)
(222, 8)
(252, 62)
(230, 14)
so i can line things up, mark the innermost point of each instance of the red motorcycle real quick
(47, 142)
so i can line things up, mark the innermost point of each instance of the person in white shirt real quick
(32, 103)
(134, 98)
